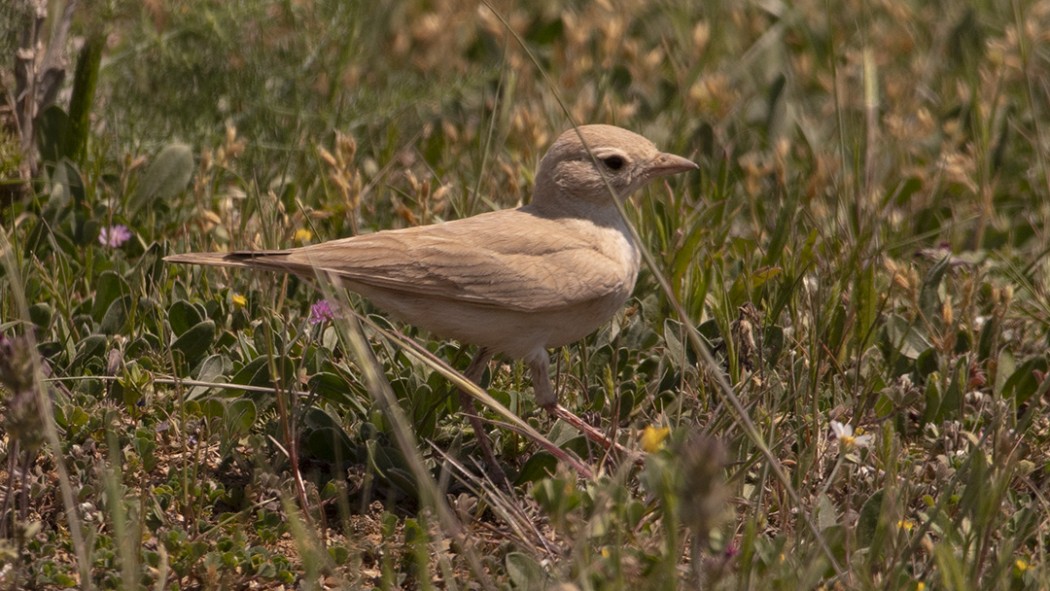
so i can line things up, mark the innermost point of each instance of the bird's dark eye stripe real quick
(613, 162)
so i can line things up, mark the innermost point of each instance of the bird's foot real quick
(589, 431)
(494, 470)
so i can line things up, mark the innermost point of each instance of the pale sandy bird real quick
(515, 282)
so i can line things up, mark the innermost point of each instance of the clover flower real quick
(320, 312)
(114, 236)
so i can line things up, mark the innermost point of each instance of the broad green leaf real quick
(211, 370)
(254, 373)
(868, 520)
(524, 572)
(990, 334)
(952, 404)
(109, 287)
(772, 345)
(167, 175)
(183, 316)
(541, 465)
(1022, 384)
(55, 135)
(194, 343)
(240, 416)
(41, 314)
(330, 387)
(116, 317)
(905, 338)
(91, 347)
(826, 515)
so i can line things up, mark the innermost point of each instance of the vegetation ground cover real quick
(863, 256)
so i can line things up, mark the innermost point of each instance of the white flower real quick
(844, 434)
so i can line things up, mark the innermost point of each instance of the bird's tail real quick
(272, 260)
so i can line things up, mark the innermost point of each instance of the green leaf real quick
(55, 135)
(951, 570)
(927, 363)
(867, 301)
(541, 465)
(194, 343)
(763, 275)
(145, 445)
(211, 370)
(1004, 368)
(545, 31)
(773, 344)
(776, 114)
(826, 515)
(169, 174)
(989, 338)
(332, 387)
(109, 287)
(240, 416)
(116, 318)
(41, 314)
(1022, 384)
(884, 406)
(933, 401)
(85, 80)
(524, 572)
(329, 444)
(904, 338)
(785, 228)
(254, 373)
(212, 408)
(676, 352)
(952, 403)
(905, 189)
(403, 480)
(929, 294)
(182, 316)
(90, 347)
(685, 257)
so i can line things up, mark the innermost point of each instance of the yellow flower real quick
(905, 524)
(303, 235)
(239, 300)
(653, 438)
(920, 586)
(1020, 565)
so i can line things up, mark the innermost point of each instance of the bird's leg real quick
(475, 371)
(539, 366)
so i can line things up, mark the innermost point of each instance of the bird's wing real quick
(508, 259)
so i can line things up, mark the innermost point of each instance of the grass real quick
(864, 246)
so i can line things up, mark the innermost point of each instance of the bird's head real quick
(580, 162)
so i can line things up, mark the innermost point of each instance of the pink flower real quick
(321, 312)
(114, 236)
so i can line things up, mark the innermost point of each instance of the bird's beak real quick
(667, 164)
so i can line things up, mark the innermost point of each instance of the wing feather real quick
(508, 259)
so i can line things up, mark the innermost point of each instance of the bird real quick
(513, 282)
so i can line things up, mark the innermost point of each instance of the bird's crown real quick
(586, 161)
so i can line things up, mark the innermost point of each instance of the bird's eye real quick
(613, 162)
